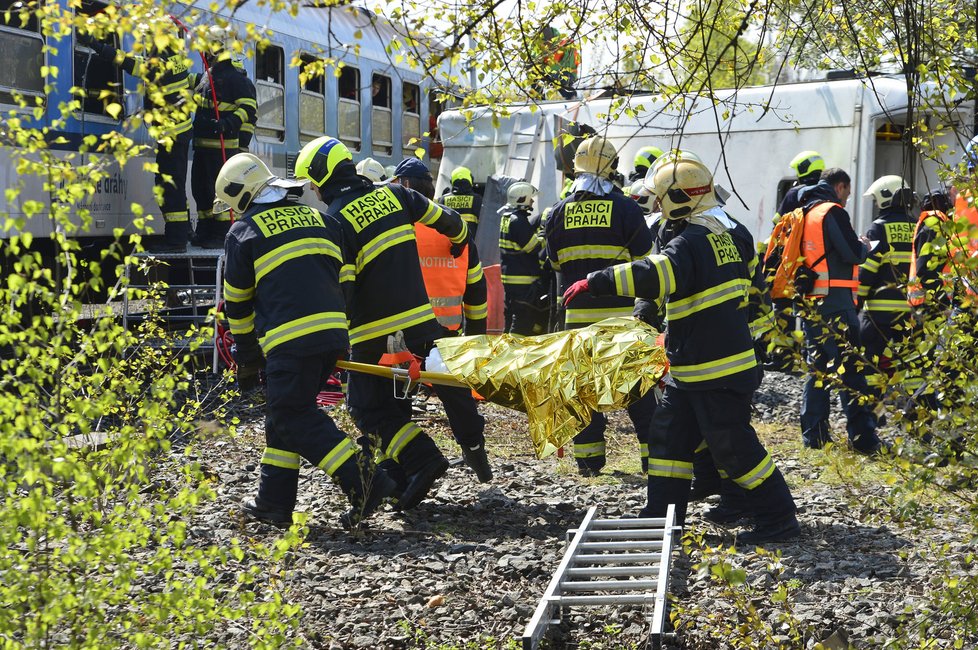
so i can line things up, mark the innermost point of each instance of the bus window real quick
(22, 45)
(312, 100)
(380, 115)
(100, 80)
(270, 88)
(348, 113)
(411, 117)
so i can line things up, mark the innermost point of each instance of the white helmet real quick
(216, 39)
(683, 184)
(373, 170)
(242, 178)
(520, 195)
(889, 190)
(641, 195)
(596, 155)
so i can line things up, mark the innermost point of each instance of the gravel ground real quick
(467, 567)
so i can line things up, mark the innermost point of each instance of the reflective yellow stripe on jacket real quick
(391, 324)
(733, 290)
(292, 250)
(294, 329)
(730, 365)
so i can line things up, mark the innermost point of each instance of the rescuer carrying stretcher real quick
(381, 277)
(703, 276)
(286, 312)
(594, 227)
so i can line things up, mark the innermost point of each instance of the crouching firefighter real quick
(287, 314)
(703, 276)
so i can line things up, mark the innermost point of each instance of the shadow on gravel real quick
(439, 526)
(830, 551)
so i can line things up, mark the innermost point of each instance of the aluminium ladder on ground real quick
(611, 562)
(203, 270)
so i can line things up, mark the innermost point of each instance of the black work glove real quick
(250, 375)
(96, 46)
(218, 126)
(251, 364)
(458, 249)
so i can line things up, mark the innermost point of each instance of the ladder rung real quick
(609, 571)
(608, 585)
(611, 558)
(634, 534)
(610, 599)
(620, 546)
(657, 522)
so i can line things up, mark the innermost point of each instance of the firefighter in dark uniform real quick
(885, 314)
(524, 281)
(594, 227)
(463, 199)
(702, 274)
(707, 479)
(286, 311)
(385, 295)
(644, 159)
(458, 294)
(247, 131)
(808, 166)
(925, 289)
(236, 105)
(168, 114)
(784, 356)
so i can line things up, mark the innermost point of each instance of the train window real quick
(312, 100)
(270, 88)
(784, 185)
(380, 115)
(23, 48)
(435, 108)
(100, 80)
(411, 116)
(348, 113)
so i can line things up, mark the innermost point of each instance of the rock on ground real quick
(469, 565)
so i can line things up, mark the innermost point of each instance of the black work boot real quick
(257, 509)
(779, 530)
(215, 237)
(420, 482)
(475, 457)
(203, 232)
(363, 505)
(726, 514)
(174, 238)
(702, 488)
(590, 467)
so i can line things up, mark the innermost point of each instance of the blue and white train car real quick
(378, 107)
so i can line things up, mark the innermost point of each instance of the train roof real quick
(337, 30)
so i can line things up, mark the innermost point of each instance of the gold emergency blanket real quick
(559, 379)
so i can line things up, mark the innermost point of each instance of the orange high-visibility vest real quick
(444, 275)
(916, 294)
(813, 248)
(965, 245)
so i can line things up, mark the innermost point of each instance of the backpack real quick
(784, 263)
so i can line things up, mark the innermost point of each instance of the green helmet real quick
(807, 162)
(318, 160)
(462, 174)
(646, 156)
